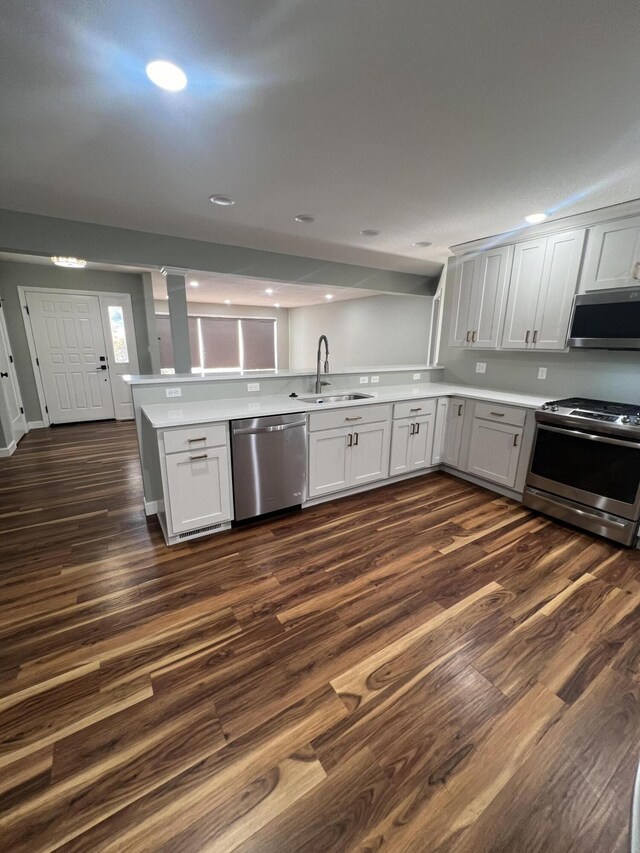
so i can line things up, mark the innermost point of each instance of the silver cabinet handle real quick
(526, 337)
(497, 414)
(200, 456)
(355, 443)
(201, 438)
(473, 337)
(355, 418)
(535, 336)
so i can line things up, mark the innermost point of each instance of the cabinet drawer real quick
(500, 414)
(414, 408)
(348, 417)
(195, 437)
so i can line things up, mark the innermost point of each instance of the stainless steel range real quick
(585, 466)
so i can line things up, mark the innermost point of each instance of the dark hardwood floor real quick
(425, 667)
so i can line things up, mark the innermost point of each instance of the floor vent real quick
(199, 531)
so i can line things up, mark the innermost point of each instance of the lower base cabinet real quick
(411, 444)
(494, 451)
(453, 432)
(199, 491)
(347, 457)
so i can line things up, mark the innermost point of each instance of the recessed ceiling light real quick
(222, 200)
(71, 263)
(423, 243)
(277, 305)
(227, 302)
(370, 232)
(305, 217)
(269, 290)
(194, 283)
(328, 296)
(535, 218)
(166, 75)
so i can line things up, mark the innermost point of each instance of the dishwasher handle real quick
(276, 428)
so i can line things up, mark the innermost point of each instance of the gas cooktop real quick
(623, 414)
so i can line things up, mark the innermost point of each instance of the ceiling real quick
(240, 290)
(445, 120)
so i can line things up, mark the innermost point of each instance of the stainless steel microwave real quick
(606, 319)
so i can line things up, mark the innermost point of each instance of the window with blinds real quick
(222, 343)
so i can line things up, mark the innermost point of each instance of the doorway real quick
(12, 415)
(82, 344)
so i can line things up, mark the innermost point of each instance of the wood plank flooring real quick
(426, 667)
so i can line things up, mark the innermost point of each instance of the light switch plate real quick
(542, 373)
(481, 366)
(253, 386)
(364, 380)
(173, 392)
(416, 376)
(375, 379)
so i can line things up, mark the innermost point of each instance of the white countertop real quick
(157, 379)
(161, 415)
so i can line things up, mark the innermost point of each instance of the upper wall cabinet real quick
(613, 255)
(480, 285)
(544, 278)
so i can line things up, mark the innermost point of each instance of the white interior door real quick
(11, 411)
(119, 333)
(72, 355)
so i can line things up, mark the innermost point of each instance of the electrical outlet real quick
(481, 367)
(375, 379)
(364, 380)
(416, 376)
(253, 386)
(173, 392)
(542, 373)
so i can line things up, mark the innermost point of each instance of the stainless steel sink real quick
(335, 398)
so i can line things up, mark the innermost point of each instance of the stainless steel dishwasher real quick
(269, 457)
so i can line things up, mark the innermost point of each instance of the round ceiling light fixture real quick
(305, 218)
(423, 244)
(221, 200)
(70, 263)
(328, 296)
(535, 218)
(276, 305)
(194, 283)
(269, 291)
(227, 302)
(370, 232)
(166, 75)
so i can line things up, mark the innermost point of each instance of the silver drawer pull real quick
(497, 414)
(416, 409)
(202, 438)
(201, 456)
(357, 418)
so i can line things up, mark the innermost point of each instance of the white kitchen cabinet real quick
(198, 489)
(480, 285)
(412, 444)
(612, 258)
(543, 281)
(494, 451)
(346, 457)
(453, 432)
(439, 430)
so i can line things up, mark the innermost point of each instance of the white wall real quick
(281, 315)
(375, 330)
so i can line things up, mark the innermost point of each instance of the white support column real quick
(178, 317)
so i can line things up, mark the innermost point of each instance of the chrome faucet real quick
(319, 384)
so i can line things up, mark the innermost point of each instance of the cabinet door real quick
(613, 253)
(465, 278)
(524, 289)
(198, 489)
(559, 283)
(329, 461)
(489, 290)
(370, 453)
(453, 436)
(494, 451)
(400, 442)
(421, 444)
(440, 430)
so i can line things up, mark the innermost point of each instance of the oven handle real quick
(608, 520)
(590, 437)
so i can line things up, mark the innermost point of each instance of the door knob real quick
(102, 367)
(4, 375)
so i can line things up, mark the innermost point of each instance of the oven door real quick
(598, 470)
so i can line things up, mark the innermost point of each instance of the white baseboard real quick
(387, 481)
(8, 451)
(150, 507)
(35, 425)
